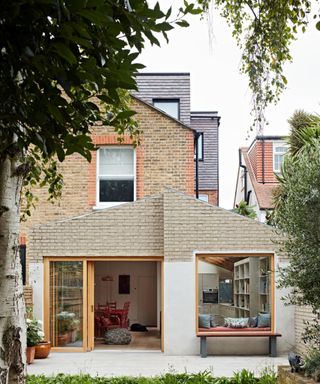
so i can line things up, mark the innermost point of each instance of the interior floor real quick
(150, 340)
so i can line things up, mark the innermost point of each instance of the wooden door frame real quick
(46, 307)
(203, 255)
(88, 296)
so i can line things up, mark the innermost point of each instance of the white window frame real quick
(168, 101)
(278, 145)
(200, 144)
(204, 197)
(106, 204)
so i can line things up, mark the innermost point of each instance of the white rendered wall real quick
(36, 282)
(180, 324)
(108, 291)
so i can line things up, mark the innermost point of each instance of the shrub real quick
(242, 377)
(312, 366)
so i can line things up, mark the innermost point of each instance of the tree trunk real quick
(12, 308)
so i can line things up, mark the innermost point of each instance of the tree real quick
(297, 215)
(64, 65)
(264, 30)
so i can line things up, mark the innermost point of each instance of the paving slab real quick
(151, 363)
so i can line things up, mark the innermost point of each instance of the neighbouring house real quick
(258, 166)
(170, 92)
(130, 243)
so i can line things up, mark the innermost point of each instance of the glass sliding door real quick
(67, 303)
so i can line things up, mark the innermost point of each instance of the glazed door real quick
(68, 304)
(90, 266)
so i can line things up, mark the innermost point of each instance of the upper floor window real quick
(200, 147)
(279, 150)
(116, 174)
(169, 106)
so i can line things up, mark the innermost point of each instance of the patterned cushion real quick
(233, 322)
(118, 336)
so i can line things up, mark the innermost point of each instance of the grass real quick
(242, 377)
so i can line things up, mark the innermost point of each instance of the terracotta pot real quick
(42, 350)
(62, 340)
(30, 352)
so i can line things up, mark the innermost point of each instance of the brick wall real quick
(173, 226)
(191, 225)
(164, 159)
(28, 296)
(302, 314)
(256, 158)
(132, 229)
(213, 196)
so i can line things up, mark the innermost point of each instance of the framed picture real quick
(124, 284)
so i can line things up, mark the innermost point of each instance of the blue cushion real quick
(204, 320)
(264, 320)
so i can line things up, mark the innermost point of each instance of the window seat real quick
(203, 333)
(228, 329)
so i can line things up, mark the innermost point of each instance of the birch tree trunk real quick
(12, 307)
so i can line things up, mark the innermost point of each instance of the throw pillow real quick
(264, 320)
(253, 322)
(241, 322)
(212, 321)
(204, 321)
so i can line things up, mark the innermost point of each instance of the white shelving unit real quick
(246, 287)
(264, 285)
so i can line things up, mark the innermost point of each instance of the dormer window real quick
(169, 106)
(279, 150)
(115, 175)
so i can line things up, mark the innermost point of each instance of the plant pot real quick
(30, 352)
(62, 340)
(42, 350)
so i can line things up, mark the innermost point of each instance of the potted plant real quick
(33, 338)
(65, 320)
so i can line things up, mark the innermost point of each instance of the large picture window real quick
(235, 293)
(116, 174)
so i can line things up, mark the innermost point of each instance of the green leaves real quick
(264, 30)
(297, 211)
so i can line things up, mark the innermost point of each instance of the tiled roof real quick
(264, 192)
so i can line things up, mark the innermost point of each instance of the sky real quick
(213, 60)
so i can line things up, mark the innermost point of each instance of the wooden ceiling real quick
(226, 262)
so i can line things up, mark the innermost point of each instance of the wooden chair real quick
(112, 304)
(104, 320)
(124, 315)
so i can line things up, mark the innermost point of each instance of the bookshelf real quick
(246, 287)
(264, 285)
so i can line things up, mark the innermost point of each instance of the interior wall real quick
(108, 291)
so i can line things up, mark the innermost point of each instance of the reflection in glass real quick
(66, 303)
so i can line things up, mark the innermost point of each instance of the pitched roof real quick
(161, 112)
(264, 192)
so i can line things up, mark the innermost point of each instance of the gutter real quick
(196, 138)
(246, 195)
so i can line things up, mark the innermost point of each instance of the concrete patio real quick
(148, 363)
